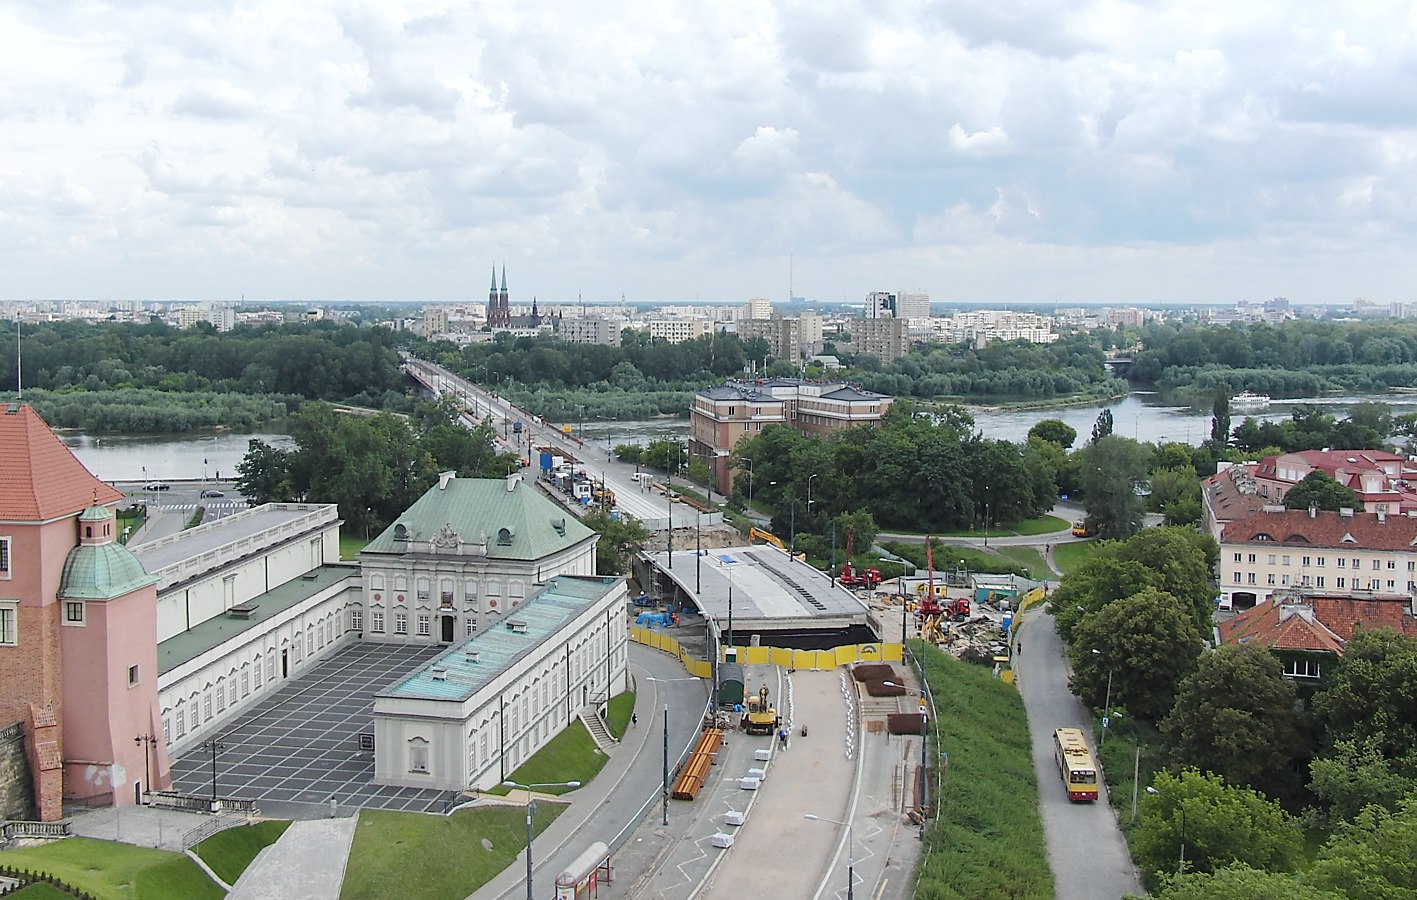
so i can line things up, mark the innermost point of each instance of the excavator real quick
(767, 537)
(762, 717)
(869, 579)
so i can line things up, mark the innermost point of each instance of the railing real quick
(173, 800)
(208, 828)
(18, 828)
(10, 732)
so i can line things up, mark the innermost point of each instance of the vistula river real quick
(1140, 415)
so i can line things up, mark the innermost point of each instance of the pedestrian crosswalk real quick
(189, 507)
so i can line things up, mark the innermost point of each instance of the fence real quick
(208, 828)
(171, 800)
(785, 657)
(16, 828)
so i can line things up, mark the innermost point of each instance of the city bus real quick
(1075, 765)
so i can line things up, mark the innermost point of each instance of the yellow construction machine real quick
(761, 717)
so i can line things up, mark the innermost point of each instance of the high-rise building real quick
(912, 304)
(588, 330)
(887, 338)
(881, 305)
(791, 339)
(759, 308)
(676, 331)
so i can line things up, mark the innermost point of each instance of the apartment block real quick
(588, 330)
(676, 331)
(887, 338)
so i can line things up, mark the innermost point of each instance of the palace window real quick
(73, 612)
(4, 557)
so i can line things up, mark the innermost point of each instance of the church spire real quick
(493, 290)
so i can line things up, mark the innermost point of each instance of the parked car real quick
(157, 486)
(212, 492)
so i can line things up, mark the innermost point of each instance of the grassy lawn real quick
(988, 841)
(432, 857)
(111, 870)
(949, 556)
(570, 756)
(621, 707)
(229, 852)
(1030, 559)
(1073, 554)
(350, 545)
(41, 891)
(1041, 525)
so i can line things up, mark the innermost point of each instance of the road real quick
(632, 497)
(169, 511)
(1086, 850)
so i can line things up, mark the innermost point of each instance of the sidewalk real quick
(307, 862)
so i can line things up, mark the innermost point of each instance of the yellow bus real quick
(1075, 765)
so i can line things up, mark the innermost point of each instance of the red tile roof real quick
(1317, 623)
(40, 478)
(1329, 530)
(1281, 627)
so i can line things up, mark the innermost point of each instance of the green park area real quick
(113, 871)
(399, 854)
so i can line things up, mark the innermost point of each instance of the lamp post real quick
(665, 798)
(215, 746)
(1180, 806)
(531, 813)
(1107, 705)
(146, 740)
(987, 498)
(850, 851)
(809, 491)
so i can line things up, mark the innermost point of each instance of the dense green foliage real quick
(1296, 359)
(1318, 489)
(284, 363)
(149, 411)
(621, 540)
(1368, 426)
(987, 842)
(374, 467)
(1111, 472)
(918, 472)
(1371, 698)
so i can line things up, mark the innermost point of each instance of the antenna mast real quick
(19, 379)
(789, 279)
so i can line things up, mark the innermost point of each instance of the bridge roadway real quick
(631, 497)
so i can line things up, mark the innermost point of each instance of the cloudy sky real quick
(1000, 150)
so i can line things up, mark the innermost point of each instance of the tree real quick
(1103, 426)
(263, 475)
(1319, 489)
(1220, 418)
(1110, 471)
(1145, 644)
(1235, 716)
(1239, 880)
(1223, 824)
(1374, 857)
(1054, 431)
(1356, 775)
(620, 541)
(1371, 696)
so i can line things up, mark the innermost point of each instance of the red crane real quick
(850, 577)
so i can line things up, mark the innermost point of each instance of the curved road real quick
(1086, 850)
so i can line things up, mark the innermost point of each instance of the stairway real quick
(598, 732)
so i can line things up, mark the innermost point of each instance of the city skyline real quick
(1067, 153)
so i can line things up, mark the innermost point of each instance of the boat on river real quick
(1249, 400)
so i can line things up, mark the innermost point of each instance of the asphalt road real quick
(1086, 850)
(169, 511)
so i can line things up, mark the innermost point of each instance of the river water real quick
(1140, 415)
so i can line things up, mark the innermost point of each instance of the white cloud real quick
(1073, 148)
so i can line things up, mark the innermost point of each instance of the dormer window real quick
(504, 537)
(1263, 537)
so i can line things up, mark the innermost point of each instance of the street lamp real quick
(750, 480)
(1107, 715)
(215, 746)
(530, 812)
(850, 851)
(809, 491)
(146, 740)
(1180, 806)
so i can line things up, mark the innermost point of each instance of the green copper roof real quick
(96, 513)
(516, 524)
(102, 572)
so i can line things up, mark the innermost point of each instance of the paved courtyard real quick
(300, 746)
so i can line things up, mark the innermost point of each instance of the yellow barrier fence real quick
(786, 657)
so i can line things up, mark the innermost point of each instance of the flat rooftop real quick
(770, 590)
(200, 638)
(498, 647)
(214, 544)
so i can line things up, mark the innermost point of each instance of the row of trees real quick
(1234, 732)
(374, 467)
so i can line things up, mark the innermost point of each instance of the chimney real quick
(444, 478)
(1346, 512)
(512, 480)
(1313, 510)
(1382, 517)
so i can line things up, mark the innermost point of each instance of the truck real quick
(762, 716)
(867, 579)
